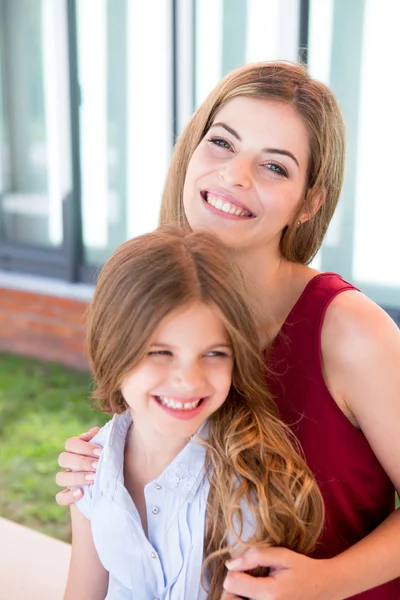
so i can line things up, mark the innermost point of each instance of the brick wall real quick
(43, 326)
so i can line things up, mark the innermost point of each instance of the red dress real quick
(358, 494)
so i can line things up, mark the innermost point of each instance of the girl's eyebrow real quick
(268, 150)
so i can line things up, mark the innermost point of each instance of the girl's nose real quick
(189, 379)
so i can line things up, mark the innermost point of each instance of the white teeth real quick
(178, 405)
(227, 207)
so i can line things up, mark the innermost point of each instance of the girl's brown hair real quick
(282, 82)
(251, 458)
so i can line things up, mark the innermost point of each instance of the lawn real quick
(41, 405)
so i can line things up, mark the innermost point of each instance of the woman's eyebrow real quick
(268, 150)
(228, 129)
(284, 152)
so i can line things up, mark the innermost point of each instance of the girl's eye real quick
(275, 168)
(220, 143)
(218, 354)
(159, 353)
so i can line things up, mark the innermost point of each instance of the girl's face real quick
(248, 175)
(185, 376)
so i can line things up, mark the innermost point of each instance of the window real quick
(356, 52)
(86, 129)
(34, 129)
(230, 33)
(90, 101)
(125, 118)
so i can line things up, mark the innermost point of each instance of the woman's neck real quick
(274, 285)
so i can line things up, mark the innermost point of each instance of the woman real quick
(261, 165)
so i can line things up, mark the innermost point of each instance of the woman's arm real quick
(87, 578)
(361, 360)
(80, 460)
(361, 354)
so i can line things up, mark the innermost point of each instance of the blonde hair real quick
(251, 457)
(283, 82)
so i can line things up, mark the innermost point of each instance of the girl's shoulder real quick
(104, 433)
(111, 437)
(116, 426)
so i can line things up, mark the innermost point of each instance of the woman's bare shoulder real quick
(361, 362)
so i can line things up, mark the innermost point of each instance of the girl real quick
(175, 355)
(261, 165)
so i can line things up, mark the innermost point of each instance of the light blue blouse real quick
(167, 565)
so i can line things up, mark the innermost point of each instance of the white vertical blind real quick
(149, 77)
(377, 203)
(57, 111)
(92, 50)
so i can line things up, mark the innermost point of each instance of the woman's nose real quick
(236, 172)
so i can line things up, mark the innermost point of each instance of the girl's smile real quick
(181, 408)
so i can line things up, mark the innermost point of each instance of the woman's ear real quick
(317, 199)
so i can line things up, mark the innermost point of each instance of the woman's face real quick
(248, 175)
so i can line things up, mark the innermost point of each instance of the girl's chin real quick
(175, 433)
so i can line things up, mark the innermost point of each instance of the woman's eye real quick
(220, 143)
(275, 168)
(159, 353)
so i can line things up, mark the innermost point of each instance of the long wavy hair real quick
(291, 84)
(251, 457)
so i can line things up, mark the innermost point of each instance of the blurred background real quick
(93, 94)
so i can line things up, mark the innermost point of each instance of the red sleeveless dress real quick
(358, 494)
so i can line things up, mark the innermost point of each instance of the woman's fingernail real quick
(94, 464)
(97, 451)
(77, 493)
(89, 477)
(84, 434)
(234, 563)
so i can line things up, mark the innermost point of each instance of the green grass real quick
(41, 405)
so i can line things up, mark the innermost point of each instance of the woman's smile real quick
(228, 205)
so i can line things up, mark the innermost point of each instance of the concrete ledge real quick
(33, 566)
(46, 286)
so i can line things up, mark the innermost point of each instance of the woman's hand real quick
(292, 577)
(80, 461)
